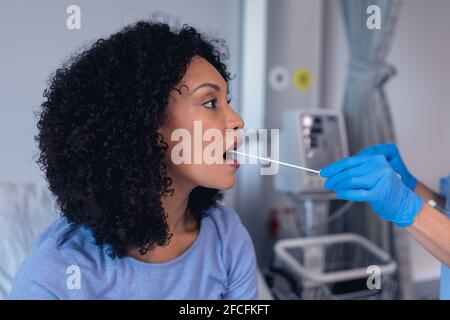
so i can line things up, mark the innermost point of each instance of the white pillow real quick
(25, 211)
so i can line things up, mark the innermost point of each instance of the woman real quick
(378, 176)
(134, 225)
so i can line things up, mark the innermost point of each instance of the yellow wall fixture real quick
(303, 79)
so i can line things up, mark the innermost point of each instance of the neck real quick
(176, 206)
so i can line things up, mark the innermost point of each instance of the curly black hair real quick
(97, 133)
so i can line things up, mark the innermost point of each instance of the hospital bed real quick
(25, 211)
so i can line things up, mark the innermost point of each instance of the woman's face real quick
(200, 111)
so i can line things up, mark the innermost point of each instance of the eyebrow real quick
(207, 84)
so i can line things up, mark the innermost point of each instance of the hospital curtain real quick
(366, 108)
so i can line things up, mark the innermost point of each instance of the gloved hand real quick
(371, 179)
(390, 151)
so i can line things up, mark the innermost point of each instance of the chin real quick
(226, 186)
(222, 183)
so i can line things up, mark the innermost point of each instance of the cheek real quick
(217, 176)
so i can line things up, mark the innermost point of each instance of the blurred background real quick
(384, 83)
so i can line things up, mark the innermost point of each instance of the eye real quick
(213, 104)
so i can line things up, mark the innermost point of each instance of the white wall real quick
(420, 99)
(420, 94)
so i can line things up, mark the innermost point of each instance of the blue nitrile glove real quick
(371, 179)
(444, 184)
(390, 151)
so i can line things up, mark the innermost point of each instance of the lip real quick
(235, 164)
(236, 144)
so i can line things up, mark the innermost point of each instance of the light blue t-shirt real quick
(220, 264)
(445, 271)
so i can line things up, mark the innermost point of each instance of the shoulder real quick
(62, 240)
(233, 236)
(223, 217)
(238, 254)
(51, 260)
(227, 223)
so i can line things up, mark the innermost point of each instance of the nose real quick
(234, 121)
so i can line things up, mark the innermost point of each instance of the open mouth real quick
(229, 155)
